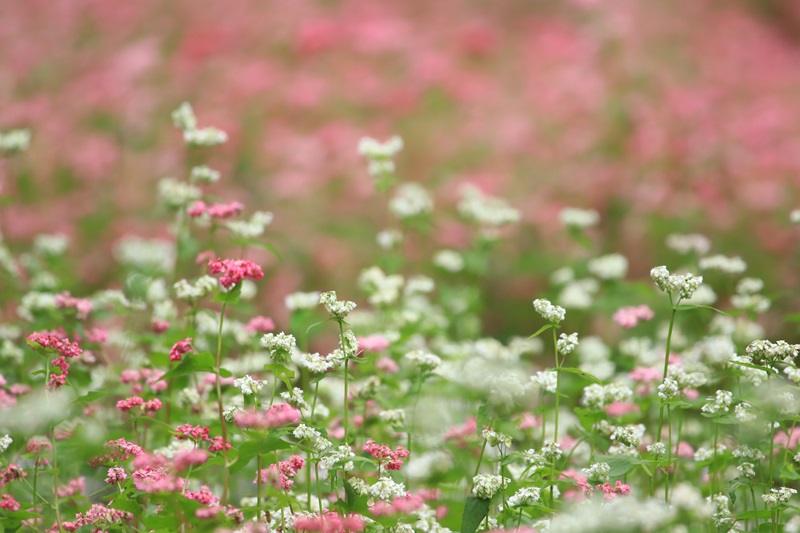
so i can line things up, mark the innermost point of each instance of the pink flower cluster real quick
(279, 476)
(204, 496)
(150, 376)
(9, 503)
(373, 343)
(11, 473)
(330, 522)
(188, 431)
(628, 317)
(260, 324)
(190, 458)
(233, 271)
(180, 348)
(156, 479)
(52, 343)
(405, 505)
(75, 486)
(81, 305)
(276, 416)
(462, 434)
(117, 450)
(149, 407)
(381, 452)
(216, 211)
(98, 515)
(116, 475)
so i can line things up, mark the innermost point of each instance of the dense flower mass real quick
(233, 271)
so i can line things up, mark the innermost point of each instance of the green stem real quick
(224, 498)
(259, 466)
(346, 382)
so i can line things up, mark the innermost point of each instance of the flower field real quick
(360, 275)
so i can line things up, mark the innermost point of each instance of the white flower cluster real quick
(488, 211)
(628, 435)
(746, 452)
(658, 449)
(668, 389)
(525, 496)
(794, 216)
(779, 496)
(596, 396)
(684, 244)
(248, 385)
(5, 442)
(341, 458)
(388, 238)
(51, 245)
(338, 309)
(611, 266)
(487, 485)
(301, 300)
(597, 472)
(295, 399)
(684, 285)
(578, 294)
(280, 345)
(729, 265)
(394, 417)
(145, 254)
(387, 489)
(721, 512)
(382, 289)
(755, 376)
(704, 454)
(566, 344)
(545, 381)
(495, 439)
(194, 292)
(177, 194)
(252, 228)
(410, 200)
(573, 217)
(14, 141)
(552, 313)
(379, 154)
(551, 451)
(536, 461)
(449, 260)
(744, 412)
(204, 174)
(721, 402)
(184, 119)
(318, 442)
(315, 363)
(763, 350)
(423, 360)
(748, 470)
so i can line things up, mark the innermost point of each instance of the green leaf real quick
(542, 330)
(191, 363)
(620, 464)
(283, 373)
(231, 297)
(353, 502)
(252, 448)
(760, 513)
(124, 504)
(689, 307)
(484, 418)
(580, 372)
(91, 396)
(475, 510)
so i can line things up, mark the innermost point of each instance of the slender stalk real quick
(259, 466)
(553, 477)
(314, 400)
(224, 498)
(661, 403)
(346, 382)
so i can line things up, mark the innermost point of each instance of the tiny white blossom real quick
(525, 496)
(423, 360)
(612, 266)
(729, 265)
(684, 244)
(5, 442)
(552, 313)
(387, 489)
(204, 174)
(302, 300)
(410, 200)
(682, 285)
(722, 402)
(567, 343)
(573, 217)
(597, 472)
(487, 485)
(248, 385)
(449, 260)
(338, 309)
(545, 381)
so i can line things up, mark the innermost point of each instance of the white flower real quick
(193, 292)
(683, 244)
(658, 449)
(295, 398)
(729, 265)
(387, 489)
(781, 495)
(495, 439)
(382, 289)
(794, 216)
(449, 260)
(395, 417)
(684, 285)
(612, 266)
(183, 117)
(410, 200)
(567, 343)
(597, 472)
(248, 385)
(145, 254)
(524, 497)
(485, 210)
(205, 137)
(318, 442)
(545, 381)
(722, 402)
(250, 229)
(578, 294)
(552, 313)
(389, 238)
(573, 217)
(487, 485)
(177, 194)
(748, 470)
(280, 345)
(372, 149)
(423, 360)
(14, 141)
(5, 442)
(628, 435)
(302, 300)
(314, 363)
(337, 309)
(55, 244)
(669, 389)
(204, 174)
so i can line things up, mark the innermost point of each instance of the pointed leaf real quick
(542, 330)
(475, 511)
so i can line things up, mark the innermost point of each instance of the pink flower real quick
(130, 403)
(195, 457)
(81, 305)
(187, 431)
(156, 479)
(530, 421)
(279, 476)
(373, 343)
(381, 452)
(621, 408)
(197, 209)
(260, 324)
(276, 416)
(222, 211)
(204, 496)
(387, 365)
(180, 348)
(158, 325)
(628, 317)
(643, 374)
(218, 444)
(9, 503)
(75, 486)
(116, 475)
(234, 270)
(330, 522)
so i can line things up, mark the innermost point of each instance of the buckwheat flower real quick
(394, 417)
(338, 309)
(183, 117)
(116, 475)
(552, 313)
(280, 345)
(794, 216)
(746, 452)
(682, 285)
(5, 442)
(314, 363)
(302, 300)
(567, 343)
(779, 496)
(597, 472)
(684, 244)
(388, 238)
(551, 451)
(410, 200)
(612, 266)
(704, 454)
(314, 437)
(233, 271)
(526, 496)
(722, 402)
(578, 294)
(596, 396)
(668, 390)
(250, 229)
(423, 360)
(177, 194)
(748, 470)
(387, 489)
(627, 435)
(729, 265)
(382, 289)
(205, 137)
(495, 439)
(765, 351)
(485, 210)
(181, 348)
(145, 254)
(51, 245)
(754, 302)
(295, 399)
(485, 486)
(373, 149)
(572, 217)
(204, 174)
(657, 449)
(248, 385)
(449, 260)
(545, 381)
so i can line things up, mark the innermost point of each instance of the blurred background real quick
(665, 116)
